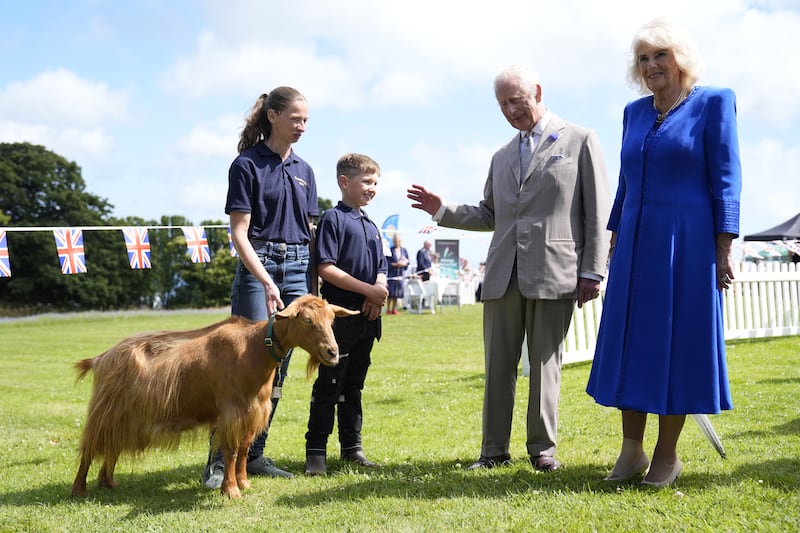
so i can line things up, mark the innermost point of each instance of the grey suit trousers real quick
(505, 322)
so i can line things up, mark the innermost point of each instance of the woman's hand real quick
(724, 262)
(273, 296)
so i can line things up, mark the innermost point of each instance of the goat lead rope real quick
(268, 341)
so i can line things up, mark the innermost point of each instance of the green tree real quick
(207, 284)
(42, 189)
(324, 204)
(39, 188)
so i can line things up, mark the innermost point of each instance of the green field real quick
(422, 423)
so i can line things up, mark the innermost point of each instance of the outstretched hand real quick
(424, 199)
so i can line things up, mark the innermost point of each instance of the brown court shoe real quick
(677, 468)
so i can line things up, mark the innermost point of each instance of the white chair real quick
(414, 294)
(452, 294)
(431, 291)
(417, 297)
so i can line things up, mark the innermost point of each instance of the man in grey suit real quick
(547, 200)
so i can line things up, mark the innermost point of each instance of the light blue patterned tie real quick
(525, 155)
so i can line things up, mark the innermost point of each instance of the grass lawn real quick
(422, 423)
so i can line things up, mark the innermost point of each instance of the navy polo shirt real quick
(279, 195)
(352, 242)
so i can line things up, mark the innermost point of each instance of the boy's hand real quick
(377, 294)
(370, 310)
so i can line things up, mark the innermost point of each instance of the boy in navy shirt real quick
(352, 266)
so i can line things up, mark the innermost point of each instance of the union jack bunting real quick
(5, 262)
(197, 244)
(69, 243)
(427, 229)
(234, 253)
(138, 245)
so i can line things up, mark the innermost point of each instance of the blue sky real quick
(148, 96)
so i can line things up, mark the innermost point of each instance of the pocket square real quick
(558, 156)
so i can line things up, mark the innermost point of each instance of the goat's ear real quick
(286, 312)
(343, 311)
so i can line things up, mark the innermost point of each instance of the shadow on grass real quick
(179, 489)
(436, 480)
(780, 381)
(154, 492)
(777, 473)
(789, 428)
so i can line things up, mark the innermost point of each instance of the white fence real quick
(764, 301)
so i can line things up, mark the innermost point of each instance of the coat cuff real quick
(726, 217)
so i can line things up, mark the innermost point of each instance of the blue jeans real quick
(288, 266)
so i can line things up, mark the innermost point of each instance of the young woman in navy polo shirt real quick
(272, 199)
(353, 271)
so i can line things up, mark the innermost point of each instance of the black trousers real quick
(337, 390)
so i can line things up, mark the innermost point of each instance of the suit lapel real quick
(511, 158)
(547, 144)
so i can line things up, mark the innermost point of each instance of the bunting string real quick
(72, 256)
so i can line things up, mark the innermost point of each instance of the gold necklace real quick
(661, 116)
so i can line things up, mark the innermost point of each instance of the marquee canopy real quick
(787, 231)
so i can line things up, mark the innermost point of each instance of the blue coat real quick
(661, 345)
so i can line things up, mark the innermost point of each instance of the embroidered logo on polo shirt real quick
(300, 180)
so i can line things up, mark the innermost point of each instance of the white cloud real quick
(748, 50)
(65, 113)
(770, 192)
(71, 143)
(204, 197)
(390, 78)
(62, 98)
(218, 138)
(458, 174)
(356, 54)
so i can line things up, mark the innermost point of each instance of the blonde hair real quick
(353, 165)
(664, 33)
(257, 126)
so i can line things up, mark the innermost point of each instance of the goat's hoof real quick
(80, 491)
(233, 493)
(109, 484)
(244, 484)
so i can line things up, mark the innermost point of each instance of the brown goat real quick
(151, 387)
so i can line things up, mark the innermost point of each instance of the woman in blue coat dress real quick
(661, 345)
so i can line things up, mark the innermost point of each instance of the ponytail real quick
(257, 126)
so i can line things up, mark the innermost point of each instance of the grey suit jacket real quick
(553, 225)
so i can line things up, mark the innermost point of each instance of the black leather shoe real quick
(315, 465)
(545, 463)
(490, 462)
(358, 458)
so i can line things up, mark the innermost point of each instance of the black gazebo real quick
(787, 231)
